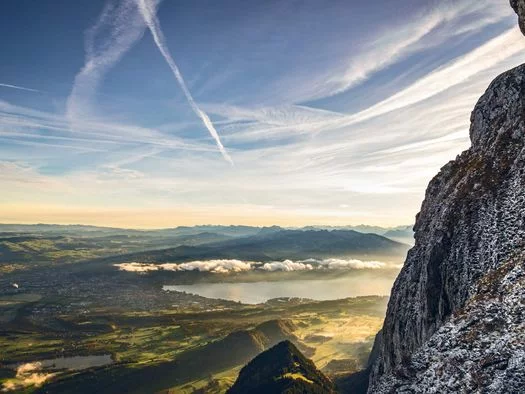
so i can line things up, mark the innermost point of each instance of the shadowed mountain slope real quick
(281, 370)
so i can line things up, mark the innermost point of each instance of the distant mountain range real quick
(279, 244)
(80, 229)
(402, 234)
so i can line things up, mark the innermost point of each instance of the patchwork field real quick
(152, 343)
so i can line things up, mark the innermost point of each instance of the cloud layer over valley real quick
(230, 266)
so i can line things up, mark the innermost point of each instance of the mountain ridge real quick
(281, 369)
(284, 244)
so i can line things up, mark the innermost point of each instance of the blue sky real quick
(148, 113)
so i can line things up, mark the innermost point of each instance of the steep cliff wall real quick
(519, 7)
(471, 224)
(481, 347)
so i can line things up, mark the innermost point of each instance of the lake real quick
(321, 290)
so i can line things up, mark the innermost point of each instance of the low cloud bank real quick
(27, 375)
(230, 265)
(287, 265)
(215, 266)
(349, 264)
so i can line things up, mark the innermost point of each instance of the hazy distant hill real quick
(404, 234)
(79, 230)
(54, 228)
(55, 244)
(280, 245)
(60, 247)
(232, 231)
(317, 243)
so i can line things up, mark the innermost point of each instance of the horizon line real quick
(198, 225)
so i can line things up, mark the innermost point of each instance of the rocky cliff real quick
(519, 7)
(455, 319)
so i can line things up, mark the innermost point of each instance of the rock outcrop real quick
(480, 349)
(444, 331)
(519, 7)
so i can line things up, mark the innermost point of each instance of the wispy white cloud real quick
(5, 85)
(395, 43)
(429, 26)
(125, 26)
(485, 57)
(345, 165)
(148, 10)
(245, 124)
(276, 121)
(120, 25)
(22, 122)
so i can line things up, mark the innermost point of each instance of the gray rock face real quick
(519, 7)
(480, 349)
(471, 223)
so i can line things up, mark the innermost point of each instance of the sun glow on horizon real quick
(158, 218)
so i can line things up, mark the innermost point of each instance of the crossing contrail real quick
(149, 13)
(120, 26)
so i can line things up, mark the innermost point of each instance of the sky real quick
(151, 113)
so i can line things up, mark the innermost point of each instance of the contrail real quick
(5, 85)
(148, 11)
(124, 26)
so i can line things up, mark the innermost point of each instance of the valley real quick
(109, 322)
